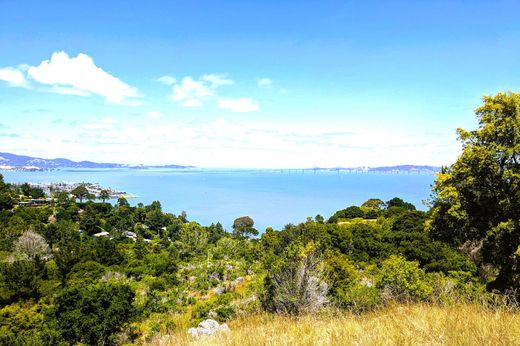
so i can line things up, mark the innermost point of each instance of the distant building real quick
(35, 202)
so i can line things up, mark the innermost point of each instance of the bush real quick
(359, 298)
(93, 314)
(297, 286)
(341, 274)
(402, 280)
(220, 309)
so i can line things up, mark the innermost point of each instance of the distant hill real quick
(387, 169)
(406, 168)
(21, 162)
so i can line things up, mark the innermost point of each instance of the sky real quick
(251, 84)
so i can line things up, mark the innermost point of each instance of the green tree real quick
(243, 227)
(104, 195)
(80, 192)
(94, 314)
(478, 198)
(7, 200)
(399, 203)
(90, 220)
(402, 279)
(31, 191)
(20, 280)
(193, 239)
(374, 203)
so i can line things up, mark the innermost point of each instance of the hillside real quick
(13, 161)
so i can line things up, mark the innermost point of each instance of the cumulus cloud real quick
(239, 105)
(191, 93)
(264, 82)
(195, 93)
(217, 80)
(80, 76)
(67, 75)
(168, 80)
(13, 77)
(154, 114)
(68, 91)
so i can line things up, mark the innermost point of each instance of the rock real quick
(208, 327)
(219, 290)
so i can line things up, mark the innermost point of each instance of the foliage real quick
(374, 203)
(153, 272)
(93, 314)
(31, 246)
(397, 202)
(478, 198)
(243, 227)
(359, 298)
(402, 280)
(80, 192)
(298, 285)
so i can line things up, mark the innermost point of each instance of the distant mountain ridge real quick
(13, 161)
(387, 169)
(406, 168)
(10, 161)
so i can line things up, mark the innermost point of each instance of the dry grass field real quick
(417, 324)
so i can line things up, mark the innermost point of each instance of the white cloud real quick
(66, 75)
(255, 143)
(13, 77)
(264, 82)
(80, 76)
(192, 103)
(217, 80)
(240, 105)
(154, 114)
(191, 93)
(194, 93)
(68, 91)
(102, 124)
(168, 80)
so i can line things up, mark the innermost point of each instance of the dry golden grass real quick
(418, 324)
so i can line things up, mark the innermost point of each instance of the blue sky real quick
(251, 83)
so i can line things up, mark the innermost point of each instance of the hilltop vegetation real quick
(97, 273)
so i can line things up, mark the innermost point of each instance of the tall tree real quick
(478, 198)
(243, 227)
(80, 192)
(104, 195)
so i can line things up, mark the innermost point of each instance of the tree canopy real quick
(477, 199)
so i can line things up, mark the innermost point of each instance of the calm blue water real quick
(271, 198)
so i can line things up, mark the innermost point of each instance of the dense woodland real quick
(63, 281)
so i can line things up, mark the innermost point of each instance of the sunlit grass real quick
(418, 324)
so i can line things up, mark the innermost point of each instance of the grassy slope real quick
(419, 324)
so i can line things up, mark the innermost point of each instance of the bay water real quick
(271, 197)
